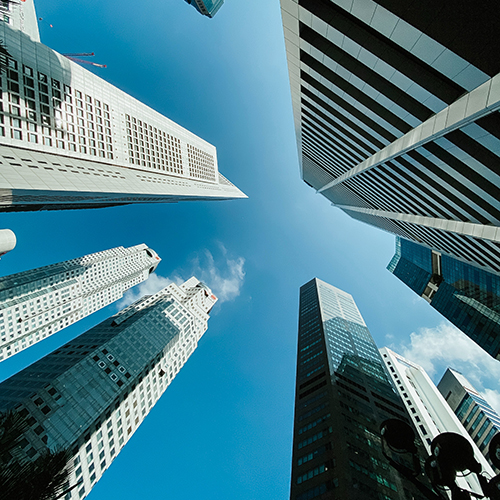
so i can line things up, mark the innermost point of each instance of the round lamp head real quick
(494, 450)
(398, 435)
(452, 451)
(436, 475)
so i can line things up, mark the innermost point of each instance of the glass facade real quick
(480, 420)
(343, 394)
(466, 295)
(90, 395)
(206, 7)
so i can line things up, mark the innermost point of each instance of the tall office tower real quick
(343, 393)
(480, 420)
(38, 303)
(430, 413)
(206, 7)
(466, 295)
(395, 108)
(62, 127)
(92, 394)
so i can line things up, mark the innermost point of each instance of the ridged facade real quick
(396, 116)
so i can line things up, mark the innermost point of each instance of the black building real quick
(343, 394)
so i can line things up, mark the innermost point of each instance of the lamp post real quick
(450, 454)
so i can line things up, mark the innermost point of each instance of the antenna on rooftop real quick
(76, 58)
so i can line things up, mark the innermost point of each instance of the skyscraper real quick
(38, 303)
(430, 413)
(480, 420)
(466, 295)
(91, 395)
(343, 394)
(395, 109)
(68, 139)
(206, 7)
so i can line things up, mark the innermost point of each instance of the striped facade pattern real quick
(396, 108)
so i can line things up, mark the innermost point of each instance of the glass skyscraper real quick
(396, 116)
(206, 7)
(37, 303)
(343, 393)
(480, 420)
(90, 395)
(466, 295)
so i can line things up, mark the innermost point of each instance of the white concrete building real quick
(38, 303)
(69, 139)
(104, 382)
(429, 411)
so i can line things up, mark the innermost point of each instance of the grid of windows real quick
(45, 111)
(201, 164)
(151, 147)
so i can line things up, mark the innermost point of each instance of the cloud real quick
(223, 274)
(436, 349)
(153, 284)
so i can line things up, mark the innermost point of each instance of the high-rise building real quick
(343, 394)
(395, 109)
(480, 420)
(38, 303)
(206, 7)
(91, 395)
(465, 294)
(68, 139)
(430, 413)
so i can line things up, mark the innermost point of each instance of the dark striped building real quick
(343, 393)
(396, 114)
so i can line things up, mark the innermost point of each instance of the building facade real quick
(91, 395)
(38, 303)
(343, 394)
(466, 295)
(68, 139)
(206, 7)
(396, 116)
(429, 411)
(480, 420)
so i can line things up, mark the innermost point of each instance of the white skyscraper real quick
(103, 383)
(429, 411)
(37, 303)
(68, 139)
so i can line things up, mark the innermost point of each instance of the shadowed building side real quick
(342, 396)
(91, 395)
(396, 116)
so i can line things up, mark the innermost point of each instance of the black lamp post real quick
(450, 454)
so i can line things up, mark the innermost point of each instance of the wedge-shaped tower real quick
(396, 116)
(91, 395)
(37, 303)
(68, 139)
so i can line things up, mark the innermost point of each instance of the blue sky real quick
(224, 427)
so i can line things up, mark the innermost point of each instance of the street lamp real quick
(450, 454)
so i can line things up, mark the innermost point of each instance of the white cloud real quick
(493, 397)
(436, 349)
(153, 284)
(224, 275)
